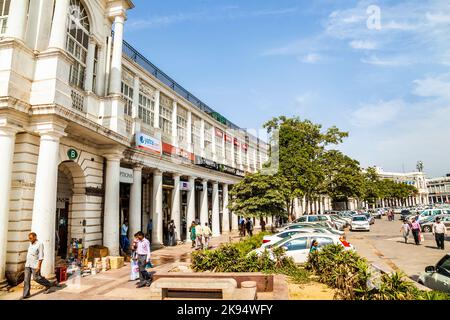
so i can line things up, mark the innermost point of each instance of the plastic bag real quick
(422, 238)
(134, 275)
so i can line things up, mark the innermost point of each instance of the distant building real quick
(439, 189)
(416, 179)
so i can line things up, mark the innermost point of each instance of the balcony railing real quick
(134, 55)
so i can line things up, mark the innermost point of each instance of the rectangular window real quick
(181, 124)
(195, 127)
(95, 71)
(127, 93)
(165, 114)
(4, 11)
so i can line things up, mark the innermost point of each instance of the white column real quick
(17, 19)
(189, 131)
(135, 222)
(234, 221)
(225, 211)
(44, 205)
(7, 141)
(135, 106)
(176, 213)
(213, 142)
(204, 203)
(174, 124)
(111, 220)
(156, 110)
(157, 216)
(116, 62)
(241, 163)
(101, 74)
(59, 25)
(190, 207)
(202, 137)
(88, 85)
(215, 210)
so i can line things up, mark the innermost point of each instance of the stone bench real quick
(225, 288)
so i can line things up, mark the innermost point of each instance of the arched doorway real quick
(70, 198)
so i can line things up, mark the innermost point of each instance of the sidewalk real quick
(114, 284)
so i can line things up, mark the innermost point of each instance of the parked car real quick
(370, 218)
(298, 246)
(315, 218)
(404, 213)
(273, 238)
(360, 222)
(432, 212)
(427, 223)
(324, 225)
(437, 277)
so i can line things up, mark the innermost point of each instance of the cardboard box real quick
(97, 252)
(116, 262)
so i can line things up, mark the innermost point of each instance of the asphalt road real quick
(384, 246)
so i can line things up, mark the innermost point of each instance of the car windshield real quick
(359, 218)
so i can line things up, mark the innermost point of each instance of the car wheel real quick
(427, 229)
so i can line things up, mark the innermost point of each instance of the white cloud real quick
(276, 12)
(388, 61)
(310, 58)
(437, 87)
(372, 115)
(363, 45)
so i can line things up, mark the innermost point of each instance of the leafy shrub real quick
(350, 274)
(237, 257)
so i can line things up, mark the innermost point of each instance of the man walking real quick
(439, 232)
(124, 242)
(249, 226)
(143, 257)
(171, 229)
(33, 264)
(207, 234)
(199, 235)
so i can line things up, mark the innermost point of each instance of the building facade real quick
(439, 189)
(92, 134)
(416, 179)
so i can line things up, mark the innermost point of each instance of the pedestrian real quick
(415, 229)
(314, 246)
(249, 226)
(199, 236)
(143, 257)
(263, 225)
(439, 232)
(405, 229)
(134, 275)
(242, 227)
(124, 242)
(33, 264)
(192, 231)
(207, 234)
(150, 230)
(171, 229)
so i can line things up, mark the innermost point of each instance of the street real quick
(384, 246)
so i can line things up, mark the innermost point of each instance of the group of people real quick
(200, 235)
(439, 231)
(246, 225)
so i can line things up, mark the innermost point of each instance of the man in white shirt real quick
(198, 236)
(35, 256)
(439, 231)
(143, 257)
(207, 234)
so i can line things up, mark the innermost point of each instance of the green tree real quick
(259, 195)
(302, 145)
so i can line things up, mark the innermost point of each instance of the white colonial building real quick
(92, 133)
(416, 179)
(439, 189)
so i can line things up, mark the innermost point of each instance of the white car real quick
(273, 238)
(314, 218)
(314, 225)
(299, 245)
(360, 222)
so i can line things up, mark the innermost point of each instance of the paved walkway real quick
(114, 284)
(385, 247)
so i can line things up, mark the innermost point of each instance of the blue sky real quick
(387, 84)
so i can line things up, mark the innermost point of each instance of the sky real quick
(377, 69)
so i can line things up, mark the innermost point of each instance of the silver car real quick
(437, 277)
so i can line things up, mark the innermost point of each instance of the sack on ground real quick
(422, 238)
